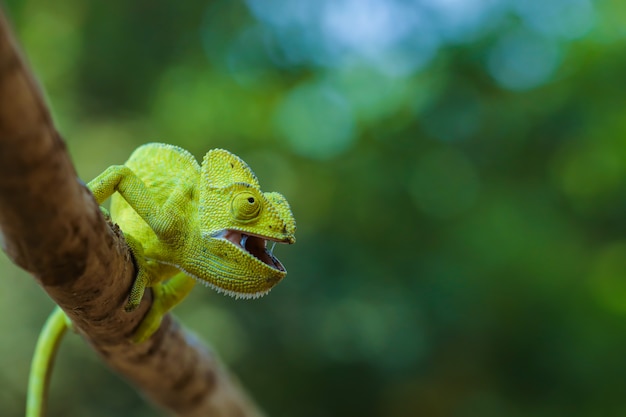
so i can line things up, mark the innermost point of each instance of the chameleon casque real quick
(184, 223)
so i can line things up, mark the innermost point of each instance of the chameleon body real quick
(184, 223)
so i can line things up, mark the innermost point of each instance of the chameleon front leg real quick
(166, 295)
(122, 179)
(144, 273)
(41, 365)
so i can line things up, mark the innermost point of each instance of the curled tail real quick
(43, 360)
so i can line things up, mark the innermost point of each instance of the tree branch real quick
(51, 226)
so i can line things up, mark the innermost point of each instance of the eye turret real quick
(245, 206)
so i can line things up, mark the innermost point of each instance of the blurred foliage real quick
(457, 169)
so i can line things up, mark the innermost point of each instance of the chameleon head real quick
(238, 221)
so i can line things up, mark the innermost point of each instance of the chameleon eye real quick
(245, 206)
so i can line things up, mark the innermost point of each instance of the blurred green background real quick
(457, 169)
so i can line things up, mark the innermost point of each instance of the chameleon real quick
(184, 223)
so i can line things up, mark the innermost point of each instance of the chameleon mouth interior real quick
(254, 245)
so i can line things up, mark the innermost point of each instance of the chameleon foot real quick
(151, 322)
(165, 296)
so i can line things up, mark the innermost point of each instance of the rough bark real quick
(51, 226)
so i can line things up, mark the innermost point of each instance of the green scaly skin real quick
(185, 223)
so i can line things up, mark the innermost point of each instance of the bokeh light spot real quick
(521, 60)
(247, 60)
(372, 94)
(568, 19)
(444, 183)
(454, 118)
(462, 20)
(316, 121)
(587, 172)
(366, 25)
(608, 277)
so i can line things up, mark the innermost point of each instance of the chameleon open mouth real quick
(254, 245)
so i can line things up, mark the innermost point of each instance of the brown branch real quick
(51, 226)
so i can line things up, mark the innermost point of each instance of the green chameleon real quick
(184, 223)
